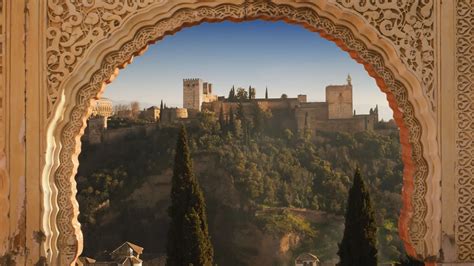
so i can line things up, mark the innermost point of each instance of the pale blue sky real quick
(286, 58)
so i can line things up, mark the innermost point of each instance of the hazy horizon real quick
(285, 58)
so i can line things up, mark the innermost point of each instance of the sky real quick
(285, 58)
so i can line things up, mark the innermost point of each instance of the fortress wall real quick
(216, 107)
(249, 107)
(110, 136)
(291, 113)
(355, 124)
(316, 112)
(266, 104)
(151, 114)
(209, 98)
(171, 115)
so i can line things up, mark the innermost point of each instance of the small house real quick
(307, 259)
(127, 254)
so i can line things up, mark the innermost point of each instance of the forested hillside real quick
(263, 187)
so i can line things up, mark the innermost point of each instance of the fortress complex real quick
(334, 114)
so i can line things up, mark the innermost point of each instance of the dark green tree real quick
(222, 119)
(161, 109)
(241, 112)
(188, 235)
(232, 94)
(359, 242)
(244, 121)
(266, 93)
(306, 130)
(259, 120)
(251, 92)
(241, 94)
(231, 120)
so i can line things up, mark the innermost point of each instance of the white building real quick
(127, 254)
(307, 259)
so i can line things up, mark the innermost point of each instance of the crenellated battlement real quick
(190, 80)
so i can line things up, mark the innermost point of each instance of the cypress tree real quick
(221, 119)
(231, 120)
(258, 120)
(188, 236)
(243, 119)
(240, 111)
(359, 243)
(266, 92)
(232, 94)
(306, 130)
(161, 109)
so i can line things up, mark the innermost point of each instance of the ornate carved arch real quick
(85, 70)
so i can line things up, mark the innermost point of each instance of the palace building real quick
(336, 113)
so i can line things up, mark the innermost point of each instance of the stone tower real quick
(339, 100)
(193, 93)
(196, 92)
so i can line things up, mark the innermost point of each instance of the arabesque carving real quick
(465, 129)
(74, 26)
(61, 64)
(410, 26)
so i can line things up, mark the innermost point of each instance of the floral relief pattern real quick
(465, 129)
(67, 244)
(73, 27)
(409, 25)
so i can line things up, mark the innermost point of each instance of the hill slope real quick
(269, 196)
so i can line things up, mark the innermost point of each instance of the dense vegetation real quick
(246, 168)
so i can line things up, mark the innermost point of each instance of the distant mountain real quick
(144, 105)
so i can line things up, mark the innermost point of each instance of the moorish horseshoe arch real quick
(419, 223)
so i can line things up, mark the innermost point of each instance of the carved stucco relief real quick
(2, 80)
(68, 245)
(74, 26)
(409, 25)
(465, 129)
